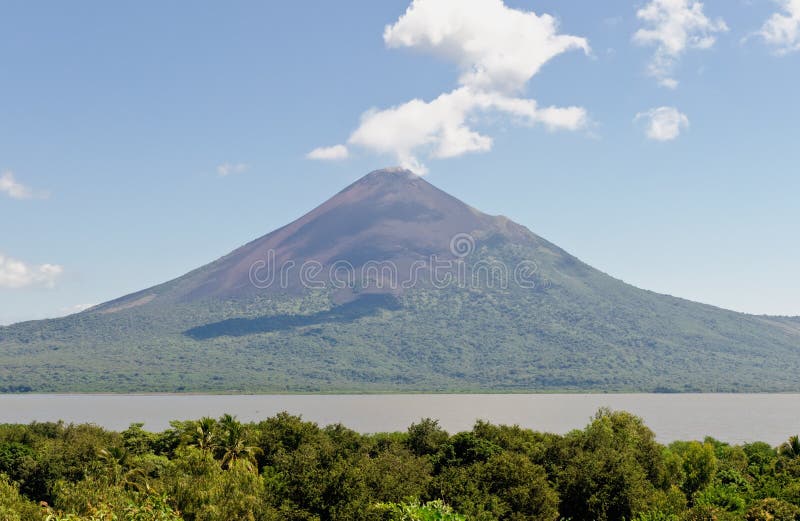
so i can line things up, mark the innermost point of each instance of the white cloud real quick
(663, 123)
(17, 274)
(13, 188)
(77, 308)
(226, 169)
(333, 153)
(782, 30)
(674, 26)
(498, 50)
(496, 47)
(439, 128)
(670, 83)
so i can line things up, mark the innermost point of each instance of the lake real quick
(734, 418)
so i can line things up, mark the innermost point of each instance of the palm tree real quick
(204, 434)
(235, 444)
(114, 456)
(115, 459)
(791, 448)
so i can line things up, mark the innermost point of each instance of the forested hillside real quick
(513, 312)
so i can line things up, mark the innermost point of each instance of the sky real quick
(656, 140)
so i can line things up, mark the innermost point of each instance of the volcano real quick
(390, 217)
(394, 285)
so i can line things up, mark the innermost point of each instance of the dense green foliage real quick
(286, 469)
(509, 311)
(578, 330)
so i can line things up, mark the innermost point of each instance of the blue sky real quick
(118, 122)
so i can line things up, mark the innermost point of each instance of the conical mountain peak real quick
(391, 178)
(390, 214)
(392, 171)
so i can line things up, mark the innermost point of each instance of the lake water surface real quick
(733, 418)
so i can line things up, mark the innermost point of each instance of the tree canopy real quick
(284, 468)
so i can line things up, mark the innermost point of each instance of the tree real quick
(414, 511)
(395, 473)
(772, 510)
(464, 448)
(203, 434)
(699, 466)
(282, 433)
(14, 507)
(426, 437)
(234, 444)
(791, 448)
(138, 441)
(614, 469)
(116, 464)
(521, 486)
(114, 456)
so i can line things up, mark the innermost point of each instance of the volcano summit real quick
(394, 285)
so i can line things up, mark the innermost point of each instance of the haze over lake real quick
(734, 418)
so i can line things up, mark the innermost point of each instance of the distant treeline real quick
(284, 468)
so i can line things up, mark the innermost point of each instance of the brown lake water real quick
(734, 418)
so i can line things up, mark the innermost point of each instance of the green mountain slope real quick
(549, 322)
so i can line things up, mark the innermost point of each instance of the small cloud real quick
(334, 153)
(670, 83)
(663, 123)
(17, 274)
(674, 26)
(14, 189)
(227, 169)
(782, 30)
(77, 308)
